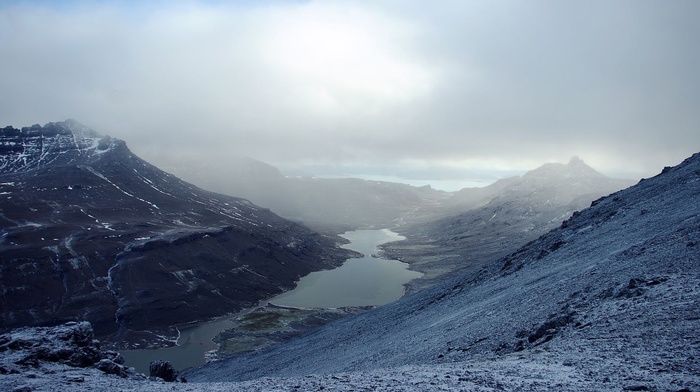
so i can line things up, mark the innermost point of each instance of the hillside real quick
(580, 304)
(89, 231)
(478, 225)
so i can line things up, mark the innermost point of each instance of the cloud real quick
(386, 84)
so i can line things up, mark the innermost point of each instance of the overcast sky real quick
(430, 90)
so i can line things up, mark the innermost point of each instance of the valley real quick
(354, 196)
(557, 269)
(444, 231)
(445, 234)
(359, 284)
(583, 300)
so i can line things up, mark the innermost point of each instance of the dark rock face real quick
(89, 231)
(71, 344)
(164, 370)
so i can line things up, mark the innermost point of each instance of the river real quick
(365, 281)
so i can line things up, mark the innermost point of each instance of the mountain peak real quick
(74, 127)
(56, 143)
(575, 160)
(576, 168)
(104, 227)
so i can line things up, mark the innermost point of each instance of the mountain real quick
(332, 205)
(608, 300)
(89, 231)
(477, 225)
(445, 231)
(551, 183)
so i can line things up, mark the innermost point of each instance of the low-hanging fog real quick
(443, 91)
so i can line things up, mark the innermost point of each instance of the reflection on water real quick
(365, 281)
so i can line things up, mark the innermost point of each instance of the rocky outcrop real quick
(163, 370)
(72, 344)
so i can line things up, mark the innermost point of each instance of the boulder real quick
(110, 367)
(72, 344)
(163, 369)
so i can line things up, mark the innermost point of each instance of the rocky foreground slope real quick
(89, 231)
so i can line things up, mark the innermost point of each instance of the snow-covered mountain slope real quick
(607, 301)
(69, 142)
(89, 231)
(478, 225)
(552, 183)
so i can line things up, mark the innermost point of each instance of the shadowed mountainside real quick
(89, 231)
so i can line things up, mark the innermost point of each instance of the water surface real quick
(364, 281)
(194, 342)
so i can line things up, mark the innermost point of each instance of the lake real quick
(365, 281)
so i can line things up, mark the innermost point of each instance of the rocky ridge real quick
(72, 344)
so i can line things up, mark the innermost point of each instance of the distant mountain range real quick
(476, 225)
(335, 205)
(89, 231)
